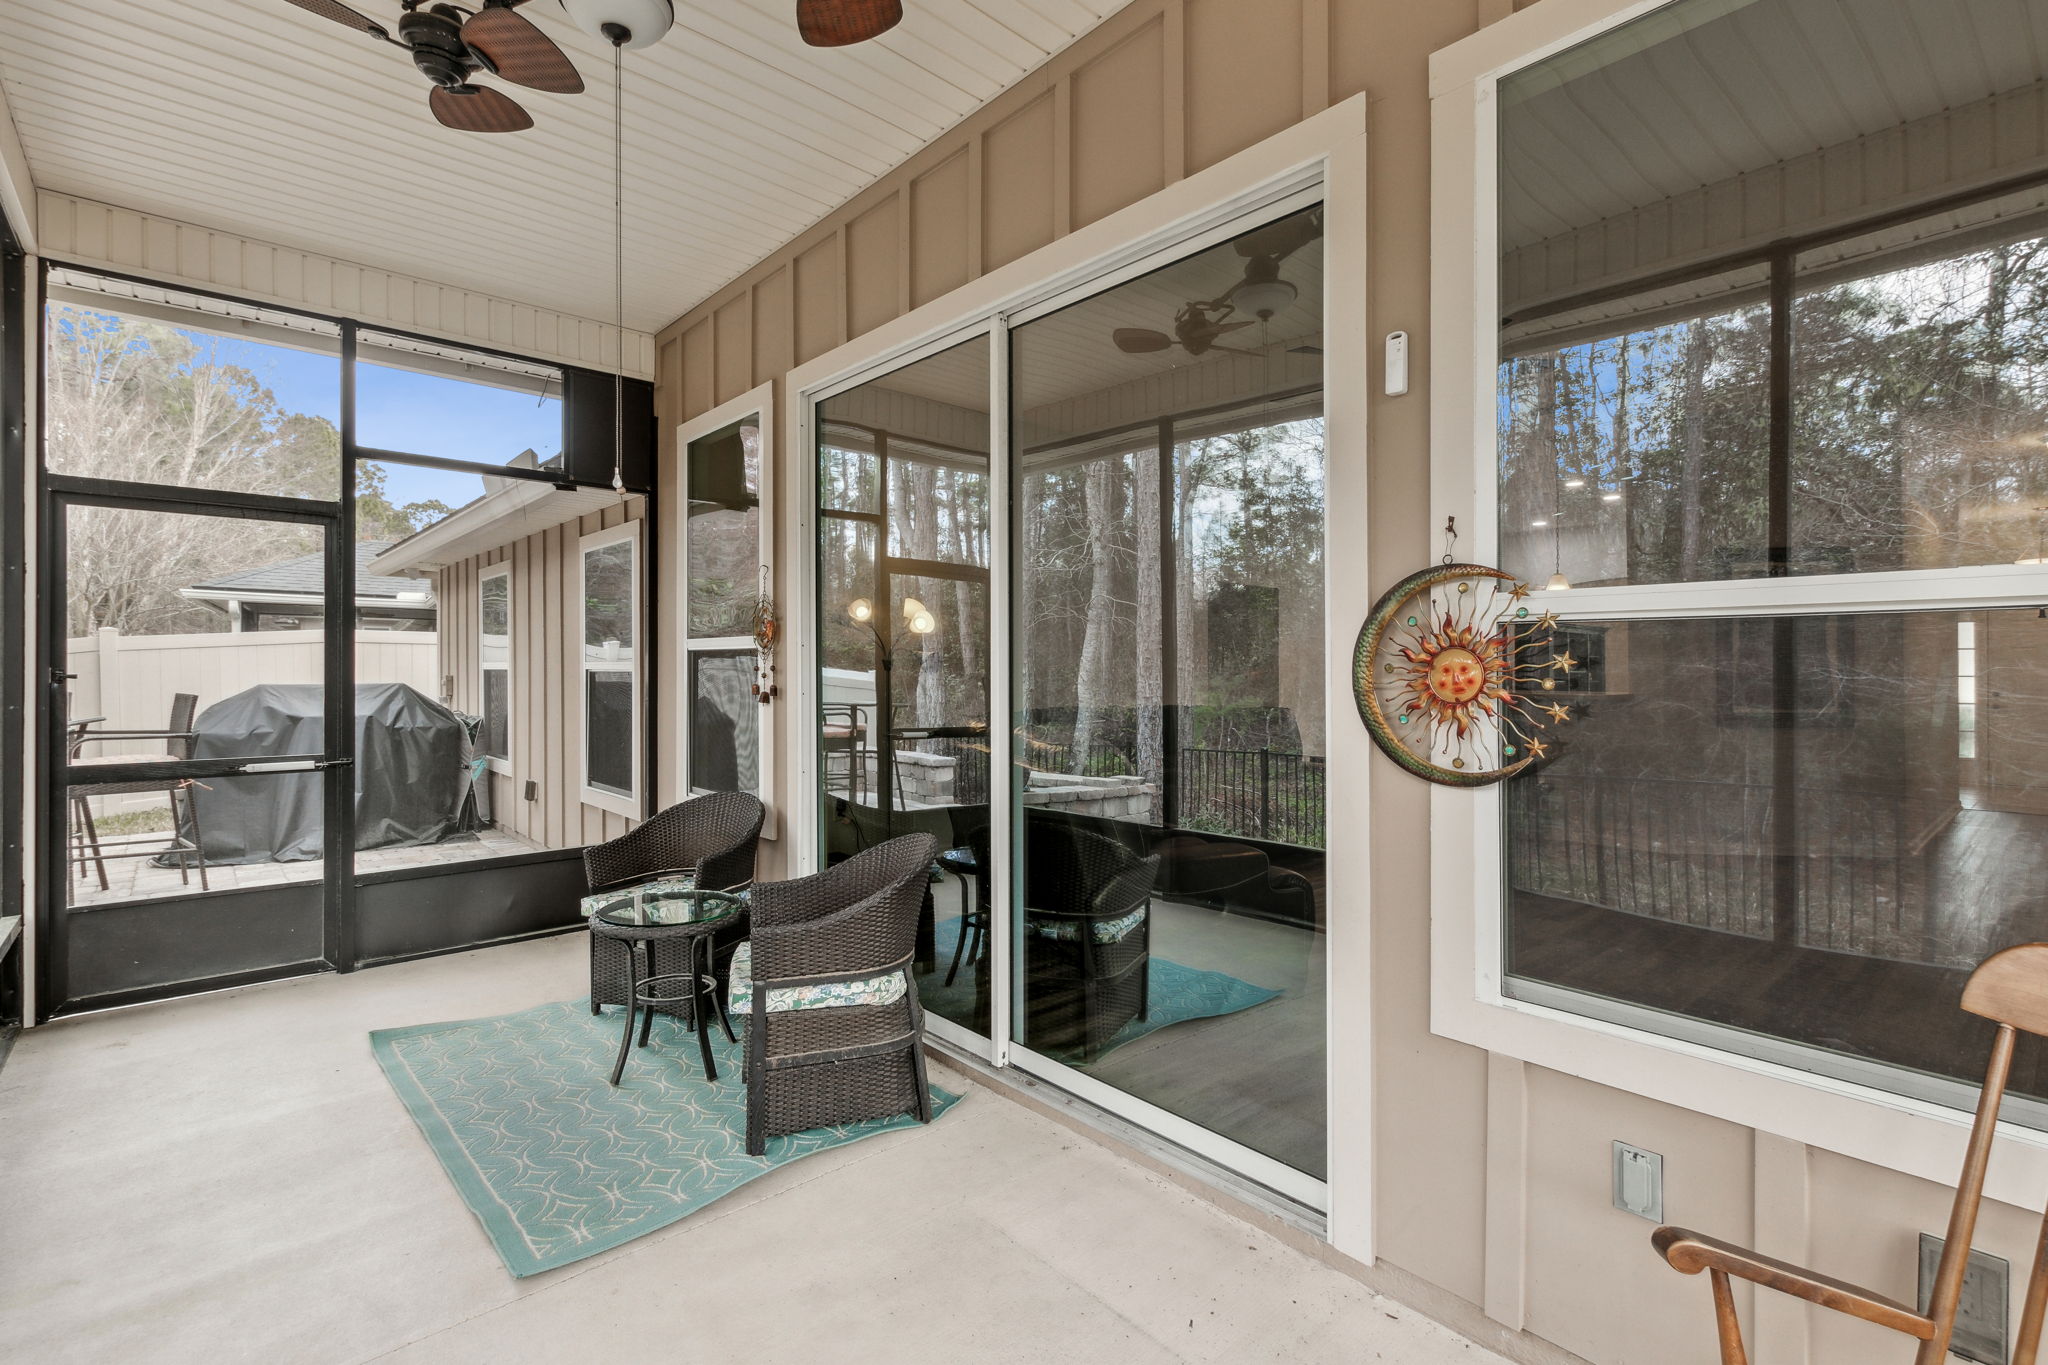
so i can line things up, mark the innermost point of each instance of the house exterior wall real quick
(1492, 1201)
(547, 677)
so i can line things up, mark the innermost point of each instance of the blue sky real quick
(401, 410)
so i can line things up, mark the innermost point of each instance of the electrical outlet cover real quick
(1982, 1315)
(1639, 1182)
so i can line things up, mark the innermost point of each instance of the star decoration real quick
(1538, 748)
(1556, 711)
(1564, 663)
(1547, 621)
(1519, 591)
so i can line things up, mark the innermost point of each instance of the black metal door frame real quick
(61, 493)
(587, 446)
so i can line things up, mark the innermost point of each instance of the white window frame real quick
(1863, 1120)
(1327, 150)
(756, 402)
(628, 805)
(500, 570)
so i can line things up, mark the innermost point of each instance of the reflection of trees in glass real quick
(1246, 530)
(608, 601)
(724, 531)
(1919, 410)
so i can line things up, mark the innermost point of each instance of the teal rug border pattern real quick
(556, 1164)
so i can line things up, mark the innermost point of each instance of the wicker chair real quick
(817, 1066)
(713, 837)
(1087, 971)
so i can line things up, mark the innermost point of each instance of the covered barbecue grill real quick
(413, 772)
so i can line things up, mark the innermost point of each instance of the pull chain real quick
(619, 262)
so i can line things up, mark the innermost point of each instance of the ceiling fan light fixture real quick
(645, 22)
(1264, 298)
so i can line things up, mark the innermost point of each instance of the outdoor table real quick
(641, 919)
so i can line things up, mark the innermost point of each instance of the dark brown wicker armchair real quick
(711, 837)
(809, 1067)
(1087, 937)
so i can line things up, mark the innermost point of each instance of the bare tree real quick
(139, 401)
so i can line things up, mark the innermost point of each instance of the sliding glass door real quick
(1133, 904)
(903, 639)
(1167, 481)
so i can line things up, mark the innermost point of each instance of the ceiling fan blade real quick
(1280, 239)
(1139, 340)
(342, 14)
(518, 52)
(1217, 329)
(475, 109)
(836, 23)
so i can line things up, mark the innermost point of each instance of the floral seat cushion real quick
(1102, 930)
(597, 900)
(885, 989)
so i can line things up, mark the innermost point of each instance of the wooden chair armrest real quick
(1692, 1252)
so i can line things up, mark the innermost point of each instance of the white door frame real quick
(1328, 151)
(757, 401)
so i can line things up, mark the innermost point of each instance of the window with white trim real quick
(724, 466)
(1791, 473)
(494, 665)
(611, 672)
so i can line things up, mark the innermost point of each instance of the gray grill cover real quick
(412, 772)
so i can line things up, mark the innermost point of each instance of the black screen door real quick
(198, 808)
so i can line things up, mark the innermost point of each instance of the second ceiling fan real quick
(452, 44)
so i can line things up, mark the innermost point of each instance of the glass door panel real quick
(1168, 631)
(903, 576)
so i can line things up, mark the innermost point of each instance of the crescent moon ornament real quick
(1443, 668)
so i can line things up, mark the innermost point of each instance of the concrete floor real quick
(229, 1178)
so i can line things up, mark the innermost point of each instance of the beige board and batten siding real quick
(547, 676)
(1491, 1176)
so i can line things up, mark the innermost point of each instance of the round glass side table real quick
(691, 917)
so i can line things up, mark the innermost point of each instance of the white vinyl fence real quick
(129, 680)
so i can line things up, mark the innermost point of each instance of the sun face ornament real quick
(1456, 675)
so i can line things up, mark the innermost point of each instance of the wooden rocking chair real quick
(2011, 988)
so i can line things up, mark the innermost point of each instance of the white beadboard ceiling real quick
(1704, 90)
(259, 118)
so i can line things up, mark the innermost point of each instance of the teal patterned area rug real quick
(555, 1163)
(1179, 994)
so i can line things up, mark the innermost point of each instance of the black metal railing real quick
(1255, 793)
(1840, 869)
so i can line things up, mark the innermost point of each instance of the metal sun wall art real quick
(1456, 675)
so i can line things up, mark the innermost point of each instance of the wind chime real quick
(767, 634)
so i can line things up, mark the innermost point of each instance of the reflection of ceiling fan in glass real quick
(1201, 323)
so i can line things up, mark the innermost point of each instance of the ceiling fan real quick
(453, 43)
(1201, 323)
